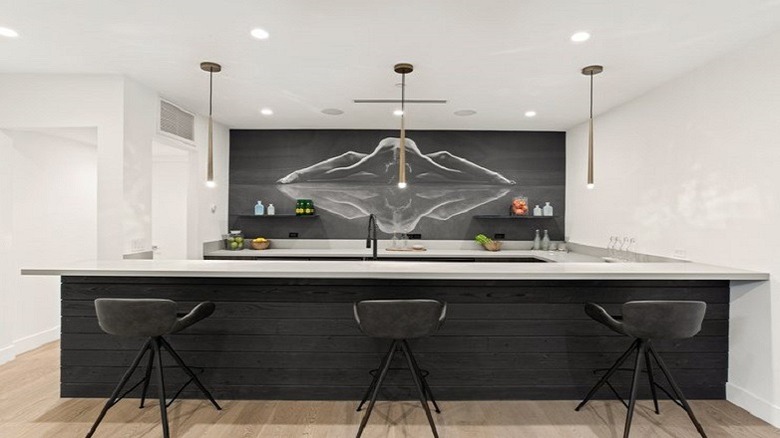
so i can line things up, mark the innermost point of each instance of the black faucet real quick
(371, 234)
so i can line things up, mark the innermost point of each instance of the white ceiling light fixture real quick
(8, 33)
(530, 113)
(403, 69)
(590, 71)
(464, 113)
(211, 68)
(398, 112)
(260, 34)
(267, 112)
(580, 37)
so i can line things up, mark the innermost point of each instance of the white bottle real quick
(259, 208)
(537, 211)
(545, 241)
(548, 210)
(271, 210)
(537, 242)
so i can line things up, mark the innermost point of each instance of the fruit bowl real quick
(492, 245)
(260, 245)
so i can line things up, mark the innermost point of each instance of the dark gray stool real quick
(399, 320)
(645, 321)
(152, 319)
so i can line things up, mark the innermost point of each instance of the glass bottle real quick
(537, 241)
(545, 241)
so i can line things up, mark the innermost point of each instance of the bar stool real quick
(646, 321)
(399, 321)
(152, 319)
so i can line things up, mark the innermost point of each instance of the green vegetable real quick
(483, 239)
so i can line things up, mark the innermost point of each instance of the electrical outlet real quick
(293, 235)
(414, 236)
(498, 236)
(680, 254)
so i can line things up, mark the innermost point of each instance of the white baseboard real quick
(754, 404)
(35, 340)
(7, 354)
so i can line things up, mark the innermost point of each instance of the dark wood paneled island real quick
(285, 329)
(296, 339)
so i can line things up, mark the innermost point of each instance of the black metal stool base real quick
(154, 346)
(643, 347)
(418, 375)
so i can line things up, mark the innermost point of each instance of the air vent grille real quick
(176, 121)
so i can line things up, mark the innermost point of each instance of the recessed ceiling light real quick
(332, 111)
(260, 34)
(398, 113)
(580, 37)
(267, 111)
(530, 113)
(10, 33)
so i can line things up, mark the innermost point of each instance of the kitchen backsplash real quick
(453, 176)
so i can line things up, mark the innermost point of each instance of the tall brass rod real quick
(402, 144)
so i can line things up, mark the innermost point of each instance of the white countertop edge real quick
(403, 270)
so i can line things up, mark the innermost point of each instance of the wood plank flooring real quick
(30, 407)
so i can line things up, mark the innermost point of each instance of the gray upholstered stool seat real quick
(399, 321)
(646, 321)
(151, 319)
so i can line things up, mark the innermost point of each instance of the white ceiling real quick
(499, 57)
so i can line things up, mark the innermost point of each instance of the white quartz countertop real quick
(400, 270)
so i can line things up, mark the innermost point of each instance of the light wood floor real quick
(30, 407)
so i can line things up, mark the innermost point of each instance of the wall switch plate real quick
(414, 236)
(499, 236)
(293, 235)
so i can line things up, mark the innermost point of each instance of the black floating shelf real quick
(506, 216)
(269, 216)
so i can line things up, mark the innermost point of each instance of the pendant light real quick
(403, 69)
(211, 68)
(591, 70)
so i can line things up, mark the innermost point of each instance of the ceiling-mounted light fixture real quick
(211, 68)
(591, 70)
(403, 69)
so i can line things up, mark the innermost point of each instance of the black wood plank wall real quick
(296, 339)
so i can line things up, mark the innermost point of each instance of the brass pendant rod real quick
(211, 68)
(590, 71)
(402, 145)
(210, 168)
(590, 136)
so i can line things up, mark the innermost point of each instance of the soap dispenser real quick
(537, 242)
(259, 208)
(545, 241)
(537, 211)
(548, 210)
(271, 210)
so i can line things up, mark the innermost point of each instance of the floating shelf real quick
(506, 216)
(268, 216)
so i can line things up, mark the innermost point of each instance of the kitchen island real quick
(285, 330)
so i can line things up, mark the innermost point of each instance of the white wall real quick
(6, 243)
(170, 181)
(124, 115)
(54, 221)
(695, 166)
(67, 101)
(140, 119)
